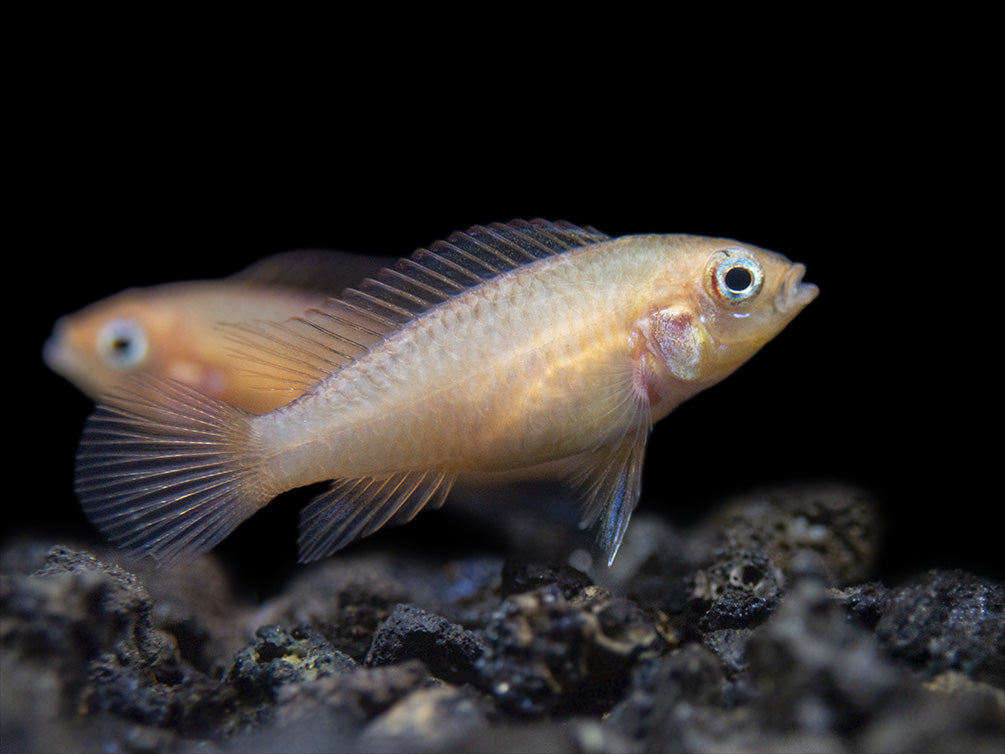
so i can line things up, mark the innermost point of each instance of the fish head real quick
(96, 347)
(734, 298)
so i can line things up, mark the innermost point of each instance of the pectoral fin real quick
(610, 482)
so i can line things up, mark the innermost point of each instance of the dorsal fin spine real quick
(339, 337)
(432, 295)
(331, 313)
(394, 290)
(516, 250)
(264, 343)
(532, 242)
(425, 255)
(504, 262)
(476, 262)
(383, 322)
(380, 303)
(414, 271)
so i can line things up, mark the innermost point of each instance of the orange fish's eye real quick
(122, 344)
(734, 275)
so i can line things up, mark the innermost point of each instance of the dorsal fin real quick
(306, 349)
(318, 270)
(465, 259)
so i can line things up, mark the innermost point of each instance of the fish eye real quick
(734, 276)
(122, 344)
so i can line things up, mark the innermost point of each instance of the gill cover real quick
(681, 341)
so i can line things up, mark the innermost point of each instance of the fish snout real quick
(54, 348)
(793, 294)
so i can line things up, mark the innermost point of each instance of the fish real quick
(500, 350)
(170, 331)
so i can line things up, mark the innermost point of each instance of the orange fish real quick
(170, 331)
(500, 349)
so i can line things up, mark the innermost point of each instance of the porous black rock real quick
(816, 672)
(835, 522)
(758, 628)
(947, 621)
(84, 626)
(359, 695)
(739, 589)
(524, 576)
(690, 677)
(730, 571)
(546, 653)
(448, 650)
(281, 656)
(428, 719)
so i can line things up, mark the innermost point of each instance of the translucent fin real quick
(304, 350)
(317, 270)
(610, 483)
(482, 252)
(354, 508)
(464, 260)
(609, 479)
(166, 471)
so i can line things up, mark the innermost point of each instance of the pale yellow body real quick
(172, 332)
(497, 351)
(531, 367)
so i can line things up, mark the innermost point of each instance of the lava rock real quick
(345, 599)
(281, 657)
(947, 620)
(863, 603)
(449, 651)
(836, 522)
(738, 590)
(75, 610)
(549, 654)
(348, 598)
(351, 699)
(760, 628)
(816, 672)
(688, 678)
(86, 625)
(524, 576)
(427, 720)
(763, 540)
(730, 646)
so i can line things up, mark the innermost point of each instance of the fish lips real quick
(793, 294)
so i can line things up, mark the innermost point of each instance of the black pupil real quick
(121, 344)
(738, 279)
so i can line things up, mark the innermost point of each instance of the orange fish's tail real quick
(166, 471)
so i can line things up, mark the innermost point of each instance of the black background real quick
(136, 167)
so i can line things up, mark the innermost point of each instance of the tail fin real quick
(166, 471)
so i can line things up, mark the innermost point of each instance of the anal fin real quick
(354, 508)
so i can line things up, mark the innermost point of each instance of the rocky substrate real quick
(757, 630)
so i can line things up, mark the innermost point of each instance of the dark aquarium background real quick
(882, 382)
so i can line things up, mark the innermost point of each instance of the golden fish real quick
(499, 349)
(170, 331)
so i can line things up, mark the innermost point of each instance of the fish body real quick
(171, 331)
(498, 350)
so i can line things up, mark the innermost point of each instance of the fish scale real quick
(500, 350)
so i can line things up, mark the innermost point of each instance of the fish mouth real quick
(53, 352)
(793, 294)
(57, 354)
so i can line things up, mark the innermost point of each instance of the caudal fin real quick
(166, 471)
